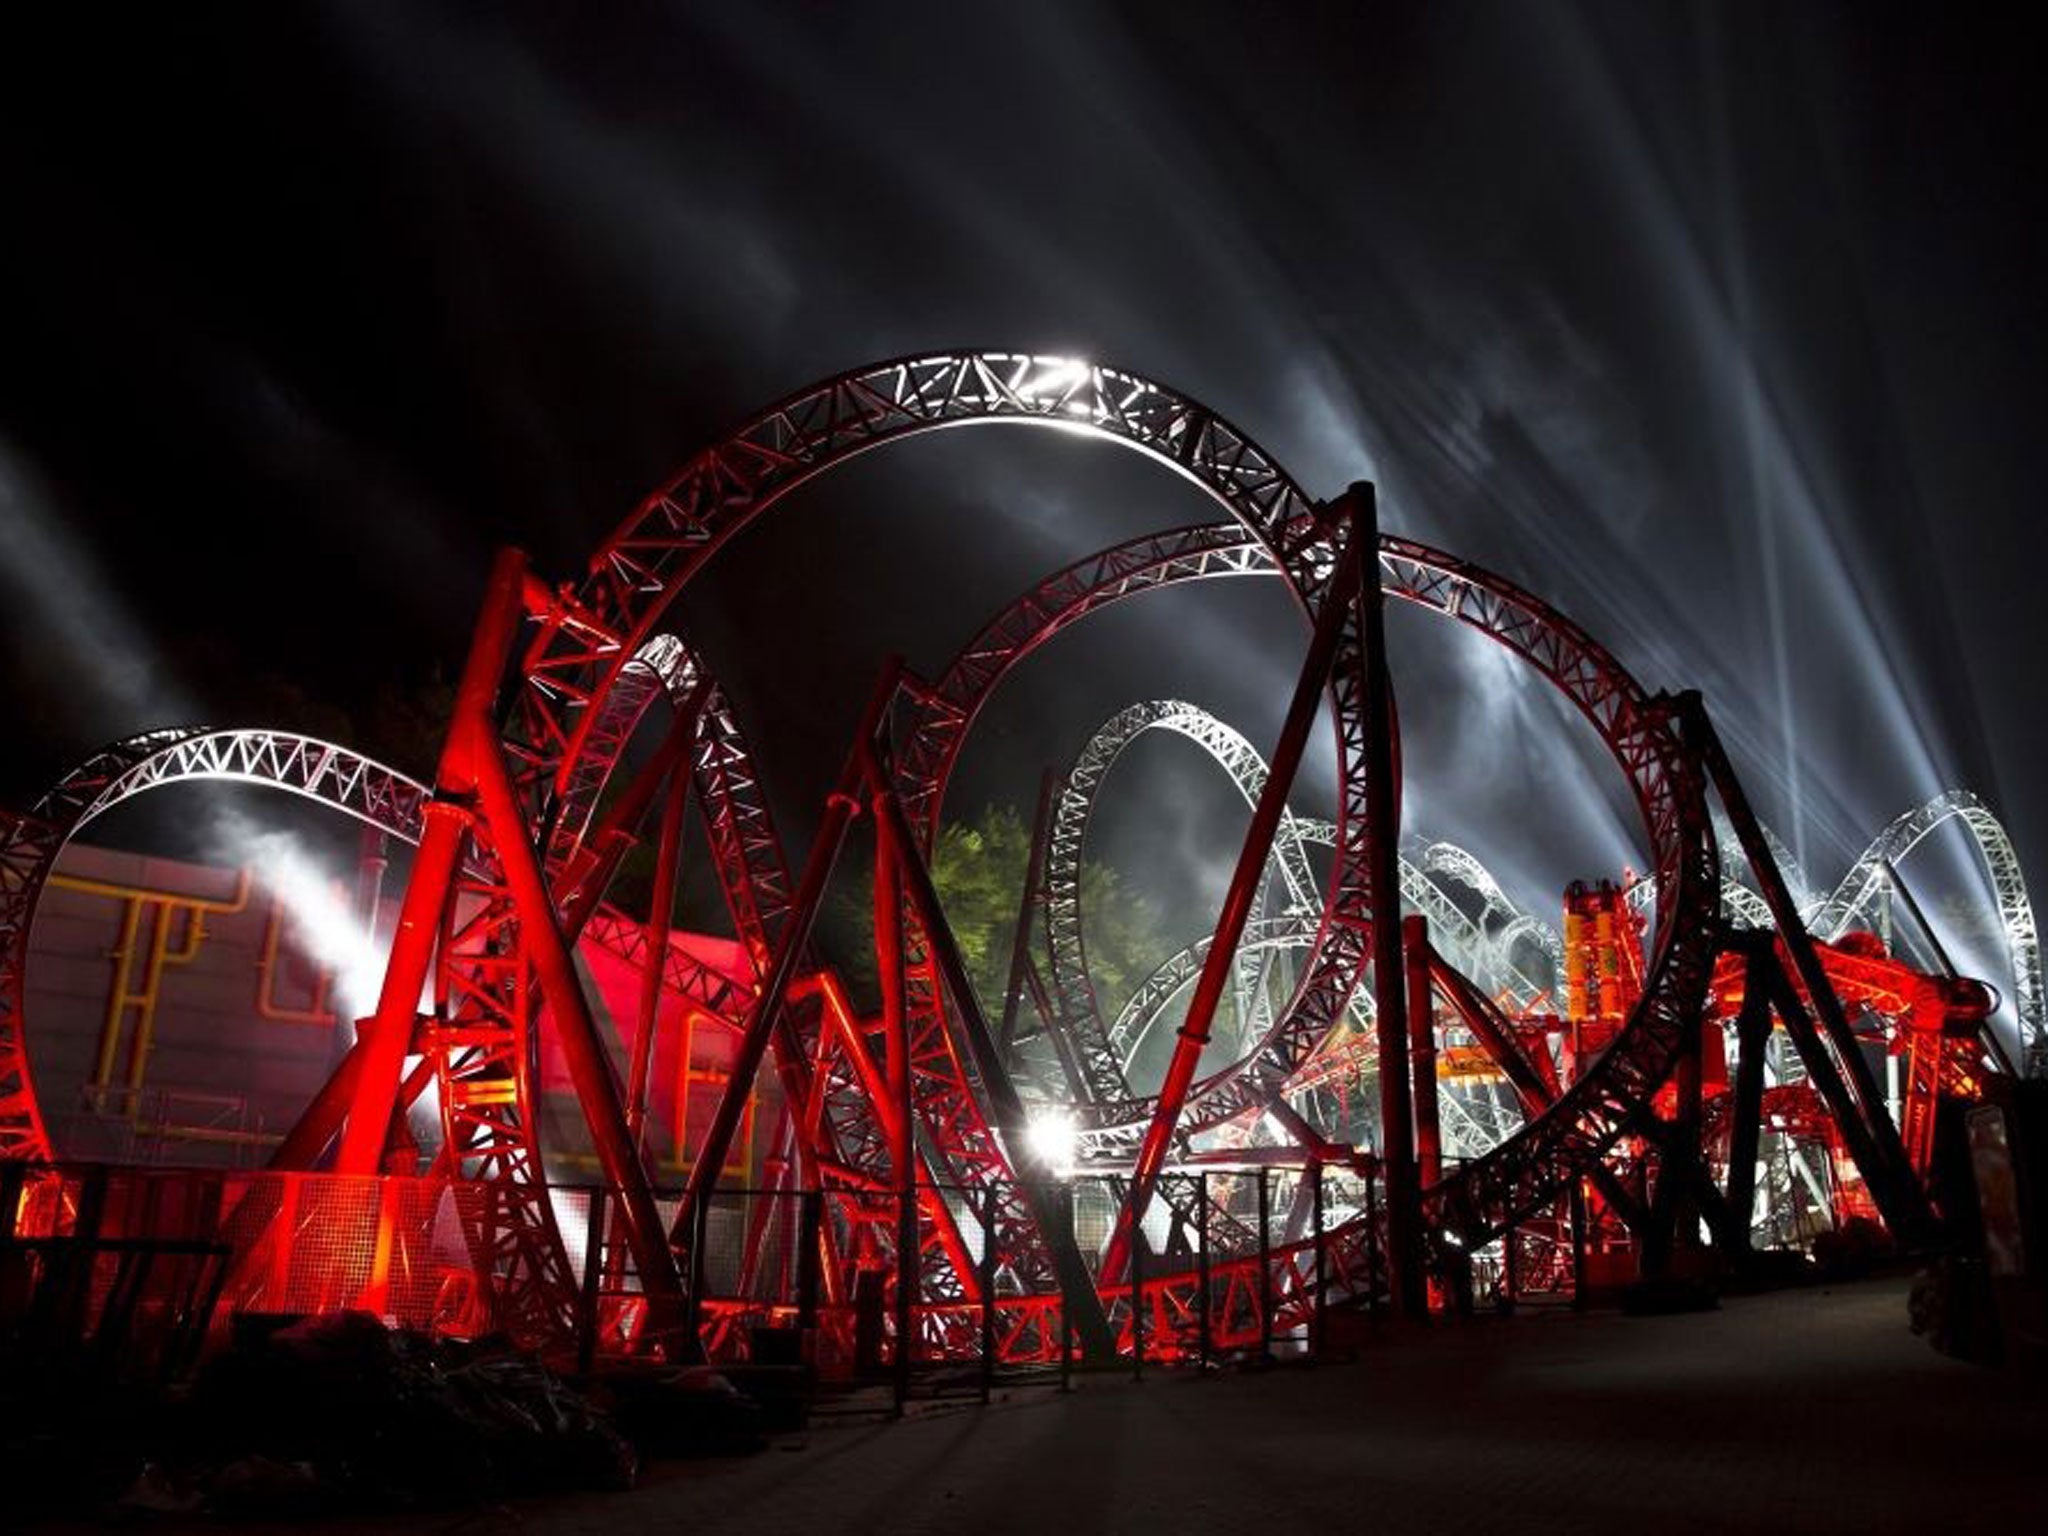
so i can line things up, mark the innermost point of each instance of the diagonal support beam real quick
(1752, 1039)
(1908, 1217)
(1536, 1088)
(1851, 1088)
(590, 1069)
(423, 921)
(841, 806)
(1030, 904)
(1044, 1202)
(1217, 965)
(581, 887)
(1429, 1144)
(1382, 751)
(668, 849)
(380, 1056)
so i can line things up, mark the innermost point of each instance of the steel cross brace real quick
(1833, 1056)
(1536, 1086)
(1245, 881)
(1040, 1197)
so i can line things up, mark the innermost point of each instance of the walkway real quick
(1806, 1411)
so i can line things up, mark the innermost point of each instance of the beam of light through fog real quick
(324, 922)
(119, 675)
(660, 218)
(81, 624)
(1517, 267)
(1797, 505)
(1510, 360)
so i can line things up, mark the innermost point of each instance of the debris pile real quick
(337, 1413)
(340, 1409)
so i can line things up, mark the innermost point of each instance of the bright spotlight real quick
(1051, 1137)
(1058, 377)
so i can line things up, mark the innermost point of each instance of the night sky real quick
(1718, 326)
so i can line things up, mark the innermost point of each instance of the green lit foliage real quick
(979, 869)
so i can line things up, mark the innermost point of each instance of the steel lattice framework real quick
(1625, 717)
(1859, 898)
(1455, 863)
(567, 729)
(1105, 1051)
(335, 777)
(1532, 1167)
(1638, 734)
(524, 815)
(1080, 1015)
(1855, 899)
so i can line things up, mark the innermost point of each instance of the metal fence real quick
(936, 1290)
(907, 1289)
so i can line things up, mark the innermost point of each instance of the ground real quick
(1810, 1410)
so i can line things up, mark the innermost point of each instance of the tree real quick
(979, 869)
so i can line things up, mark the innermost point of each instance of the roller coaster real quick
(1704, 1060)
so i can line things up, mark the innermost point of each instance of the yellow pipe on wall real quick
(267, 1006)
(164, 907)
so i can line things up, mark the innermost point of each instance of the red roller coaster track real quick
(530, 812)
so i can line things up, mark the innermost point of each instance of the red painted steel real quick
(515, 858)
(1429, 1145)
(389, 1036)
(1245, 881)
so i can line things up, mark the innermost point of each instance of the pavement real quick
(1812, 1410)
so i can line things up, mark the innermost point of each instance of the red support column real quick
(577, 897)
(897, 1106)
(581, 886)
(1238, 902)
(900, 1107)
(661, 913)
(389, 1033)
(1389, 994)
(875, 1083)
(1429, 1145)
(364, 1087)
(1047, 1200)
(1244, 885)
(597, 1090)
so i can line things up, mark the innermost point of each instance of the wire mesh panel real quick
(1236, 1312)
(952, 1269)
(1296, 1249)
(1096, 1201)
(1532, 1262)
(1354, 1241)
(1029, 1325)
(771, 1265)
(747, 1269)
(397, 1247)
(1230, 1261)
